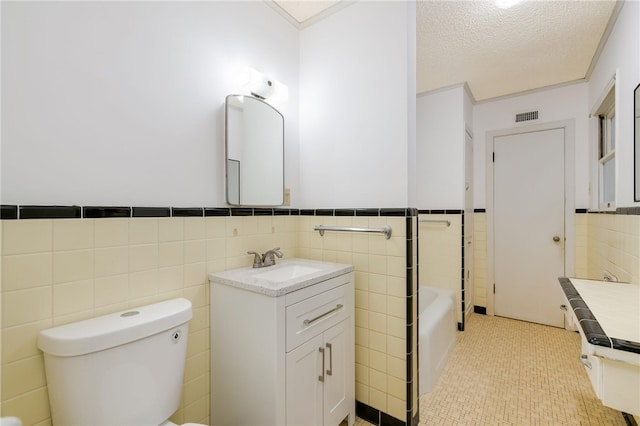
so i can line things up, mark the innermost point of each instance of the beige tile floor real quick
(508, 372)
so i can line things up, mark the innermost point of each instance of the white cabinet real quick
(317, 386)
(614, 374)
(286, 360)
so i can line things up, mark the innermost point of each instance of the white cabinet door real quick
(336, 405)
(304, 388)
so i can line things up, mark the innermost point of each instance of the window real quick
(606, 145)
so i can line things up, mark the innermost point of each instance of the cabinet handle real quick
(321, 378)
(583, 360)
(330, 370)
(563, 307)
(312, 320)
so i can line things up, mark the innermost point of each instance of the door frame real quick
(569, 191)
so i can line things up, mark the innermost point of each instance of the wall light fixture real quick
(262, 86)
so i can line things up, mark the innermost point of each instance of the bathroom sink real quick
(282, 278)
(287, 272)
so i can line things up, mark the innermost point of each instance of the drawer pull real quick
(583, 360)
(321, 378)
(310, 321)
(330, 370)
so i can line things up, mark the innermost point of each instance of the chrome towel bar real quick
(448, 222)
(386, 230)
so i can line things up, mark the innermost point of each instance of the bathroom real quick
(130, 114)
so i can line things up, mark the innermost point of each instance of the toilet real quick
(122, 369)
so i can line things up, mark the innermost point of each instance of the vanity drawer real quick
(316, 314)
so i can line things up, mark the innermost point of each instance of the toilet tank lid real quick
(115, 329)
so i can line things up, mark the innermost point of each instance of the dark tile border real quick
(151, 212)
(8, 212)
(325, 212)
(241, 211)
(97, 212)
(375, 416)
(629, 419)
(263, 212)
(187, 211)
(630, 211)
(13, 211)
(344, 212)
(593, 332)
(480, 310)
(49, 212)
(635, 211)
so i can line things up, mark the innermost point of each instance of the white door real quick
(335, 384)
(529, 237)
(304, 386)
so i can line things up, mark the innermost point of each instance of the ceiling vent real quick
(526, 116)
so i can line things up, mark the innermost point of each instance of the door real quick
(335, 385)
(304, 388)
(529, 236)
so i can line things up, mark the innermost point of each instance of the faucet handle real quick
(257, 260)
(269, 259)
(276, 251)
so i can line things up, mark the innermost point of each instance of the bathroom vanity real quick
(282, 345)
(607, 315)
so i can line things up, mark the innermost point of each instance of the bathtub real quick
(437, 334)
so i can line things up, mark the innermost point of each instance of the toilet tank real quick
(122, 369)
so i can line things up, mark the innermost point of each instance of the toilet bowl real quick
(124, 368)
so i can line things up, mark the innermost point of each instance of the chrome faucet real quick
(267, 259)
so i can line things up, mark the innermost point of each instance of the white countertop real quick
(260, 280)
(616, 306)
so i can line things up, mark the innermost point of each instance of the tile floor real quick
(508, 372)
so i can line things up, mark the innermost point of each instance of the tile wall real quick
(603, 242)
(56, 271)
(613, 244)
(380, 302)
(440, 254)
(581, 246)
(64, 270)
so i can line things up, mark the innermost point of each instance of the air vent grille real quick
(526, 116)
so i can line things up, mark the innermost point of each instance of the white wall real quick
(440, 149)
(563, 103)
(621, 53)
(357, 79)
(121, 103)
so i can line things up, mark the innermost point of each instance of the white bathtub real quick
(437, 334)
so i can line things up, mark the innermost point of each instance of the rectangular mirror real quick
(254, 145)
(636, 141)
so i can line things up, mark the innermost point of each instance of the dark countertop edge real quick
(593, 332)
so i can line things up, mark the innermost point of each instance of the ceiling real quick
(496, 51)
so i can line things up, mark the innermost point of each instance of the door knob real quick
(556, 238)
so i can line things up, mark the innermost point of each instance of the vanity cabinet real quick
(607, 314)
(285, 359)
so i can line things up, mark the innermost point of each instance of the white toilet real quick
(123, 369)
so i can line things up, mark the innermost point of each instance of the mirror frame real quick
(636, 143)
(281, 201)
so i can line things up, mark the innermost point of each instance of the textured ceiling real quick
(497, 51)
